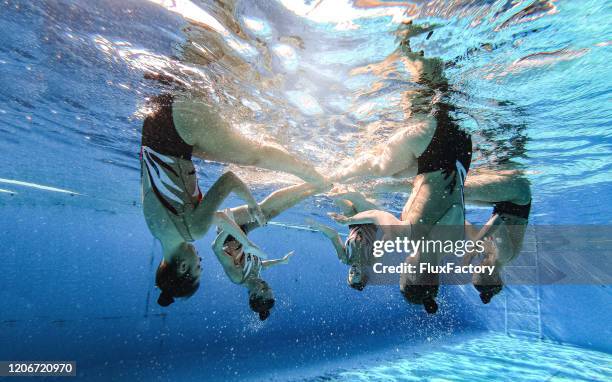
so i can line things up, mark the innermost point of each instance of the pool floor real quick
(490, 357)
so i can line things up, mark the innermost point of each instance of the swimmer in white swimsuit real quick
(243, 266)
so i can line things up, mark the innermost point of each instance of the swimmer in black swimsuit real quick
(510, 194)
(503, 233)
(243, 267)
(433, 147)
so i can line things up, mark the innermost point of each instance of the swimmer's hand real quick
(257, 215)
(339, 218)
(285, 259)
(350, 194)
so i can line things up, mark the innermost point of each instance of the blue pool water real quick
(531, 82)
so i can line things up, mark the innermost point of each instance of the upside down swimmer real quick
(428, 268)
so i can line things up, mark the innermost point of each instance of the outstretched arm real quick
(356, 200)
(270, 263)
(214, 139)
(377, 217)
(333, 236)
(276, 203)
(398, 155)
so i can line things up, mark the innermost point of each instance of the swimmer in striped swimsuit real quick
(243, 266)
(179, 126)
(176, 211)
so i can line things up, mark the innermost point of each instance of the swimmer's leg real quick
(505, 231)
(436, 214)
(214, 139)
(399, 155)
(491, 188)
(276, 203)
(204, 214)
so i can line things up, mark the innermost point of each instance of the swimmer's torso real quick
(442, 167)
(241, 267)
(169, 183)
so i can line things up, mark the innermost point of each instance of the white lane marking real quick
(37, 186)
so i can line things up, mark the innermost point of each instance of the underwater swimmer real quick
(356, 251)
(509, 193)
(175, 210)
(434, 147)
(243, 267)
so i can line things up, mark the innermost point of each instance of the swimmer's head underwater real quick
(359, 247)
(422, 295)
(261, 299)
(357, 278)
(179, 277)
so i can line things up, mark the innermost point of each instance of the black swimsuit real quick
(509, 208)
(159, 131)
(448, 147)
(166, 161)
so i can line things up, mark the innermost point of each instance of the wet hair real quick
(422, 295)
(488, 291)
(261, 305)
(173, 284)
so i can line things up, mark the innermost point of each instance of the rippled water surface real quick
(324, 78)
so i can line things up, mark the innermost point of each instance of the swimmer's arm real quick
(276, 203)
(377, 217)
(243, 151)
(370, 165)
(230, 227)
(217, 245)
(270, 263)
(398, 155)
(488, 229)
(497, 231)
(277, 159)
(333, 236)
(358, 200)
(400, 185)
